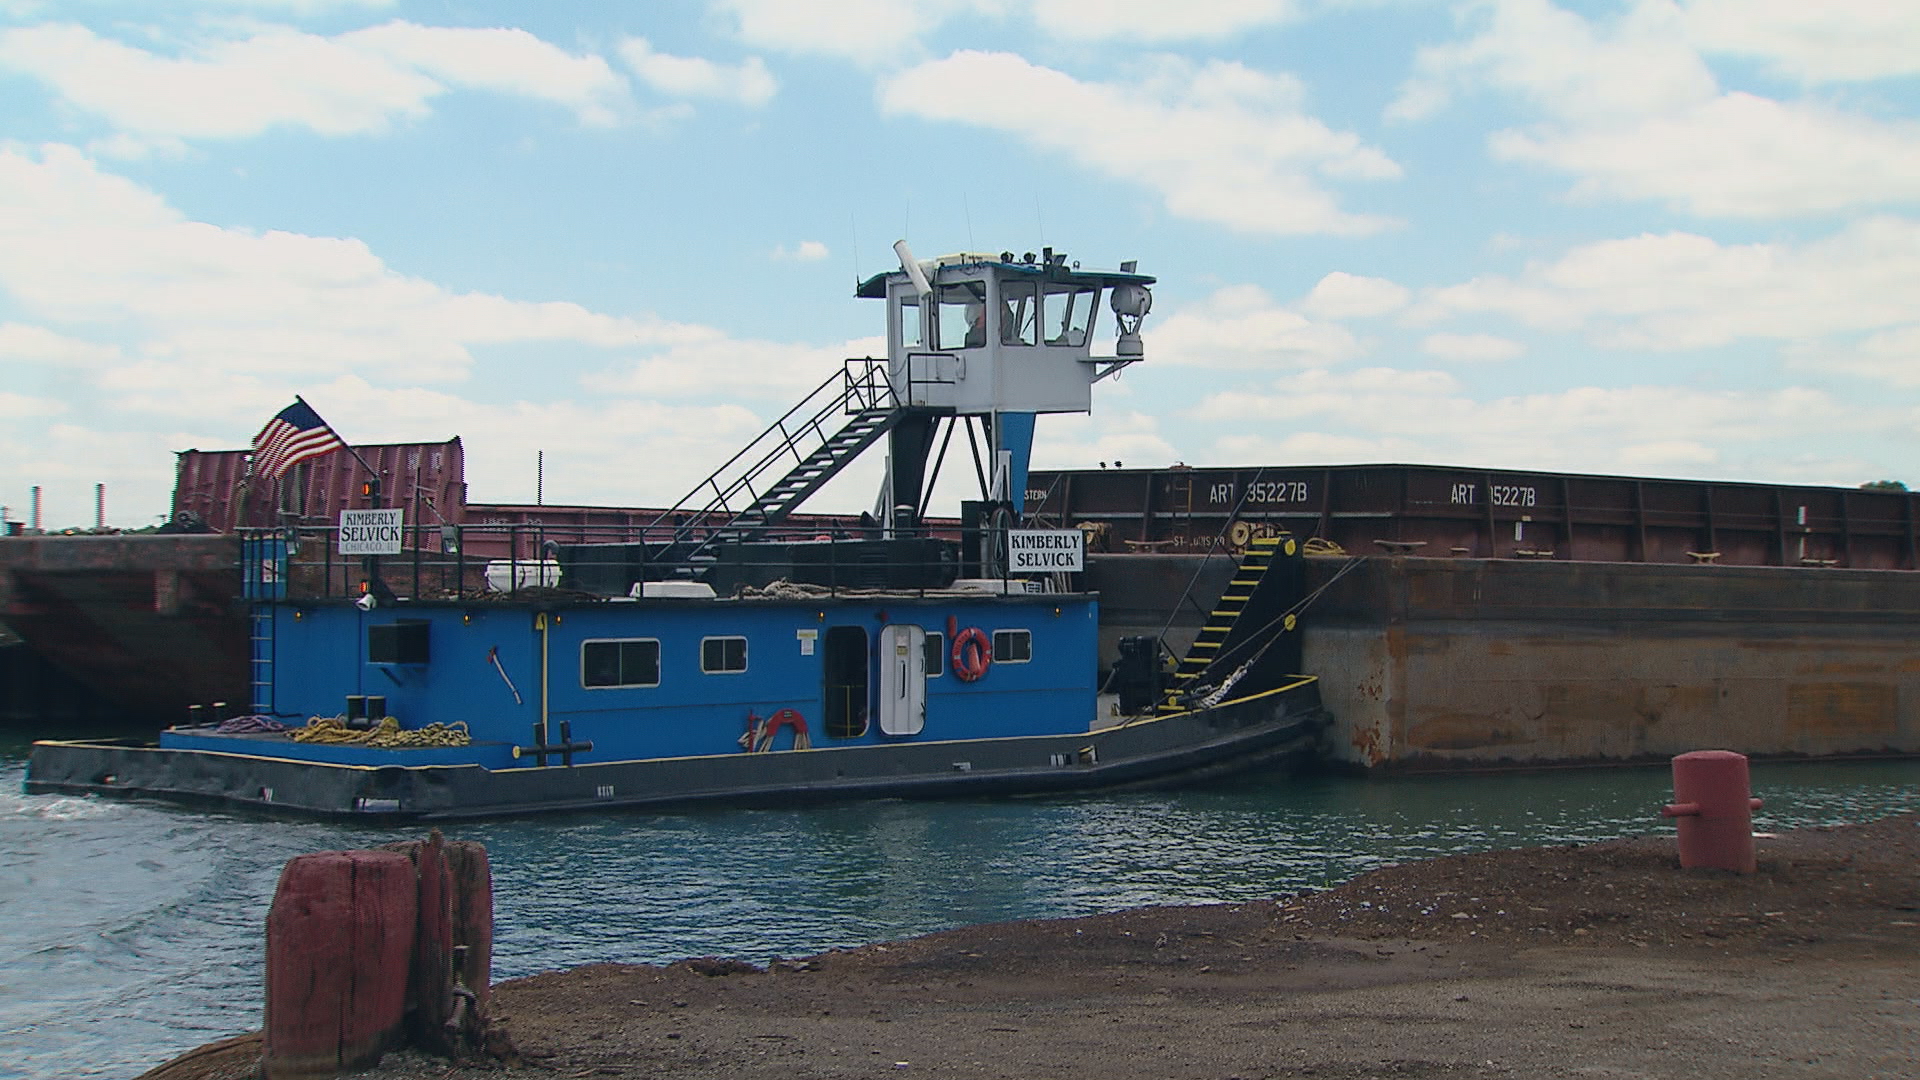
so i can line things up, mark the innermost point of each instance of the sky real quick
(1648, 237)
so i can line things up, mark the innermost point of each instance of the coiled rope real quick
(386, 735)
(248, 725)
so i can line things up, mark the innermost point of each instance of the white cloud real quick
(1383, 414)
(1220, 142)
(1080, 440)
(729, 367)
(299, 7)
(1341, 295)
(359, 82)
(1828, 41)
(198, 301)
(746, 83)
(1157, 20)
(1736, 156)
(865, 31)
(503, 60)
(20, 406)
(247, 319)
(1891, 357)
(1241, 326)
(1632, 111)
(804, 251)
(20, 343)
(1471, 348)
(1682, 290)
(1558, 62)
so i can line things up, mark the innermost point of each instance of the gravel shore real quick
(1603, 960)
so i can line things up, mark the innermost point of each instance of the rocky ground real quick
(1597, 961)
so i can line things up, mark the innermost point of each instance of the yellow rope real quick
(386, 735)
(1322, 546)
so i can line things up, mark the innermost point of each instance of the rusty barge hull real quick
(1486, 619)
(146, 624)
(1467, 663)
(1444, 511)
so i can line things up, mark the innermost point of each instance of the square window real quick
(608, 664)
(1012, 646)
(723, 655)
(936, 654)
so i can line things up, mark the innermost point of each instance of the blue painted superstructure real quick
(689, 711)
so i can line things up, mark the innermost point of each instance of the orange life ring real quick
(972, 654)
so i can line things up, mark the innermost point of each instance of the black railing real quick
(861, 385)
(477, 562)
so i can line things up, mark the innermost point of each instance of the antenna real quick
(966, 207)
(853, 227)
(1040, 219)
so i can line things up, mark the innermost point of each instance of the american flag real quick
(295, 435)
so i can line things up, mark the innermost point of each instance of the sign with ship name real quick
(1044, 551)
(370, 532)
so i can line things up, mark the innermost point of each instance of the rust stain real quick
(1366, 741)
(1841, 668)
(1842, 710)
(1462, 731)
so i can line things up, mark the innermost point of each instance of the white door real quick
(903, 680)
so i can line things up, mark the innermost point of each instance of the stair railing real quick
(860, 386)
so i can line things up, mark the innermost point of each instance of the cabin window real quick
(911, 335)
(1019, 313)
(608, 664)
(1012, 646)
(936, 649)
(963, 315)
(723, 655)
(1068, 316)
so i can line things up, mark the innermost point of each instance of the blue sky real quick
(1646, 237)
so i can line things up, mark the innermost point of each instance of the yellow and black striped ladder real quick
(1225, 615)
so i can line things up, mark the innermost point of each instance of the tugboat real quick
(715, 656)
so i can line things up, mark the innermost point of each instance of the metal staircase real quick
(1251, 611)
(729, 505)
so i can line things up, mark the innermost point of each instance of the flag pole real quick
(378, 488)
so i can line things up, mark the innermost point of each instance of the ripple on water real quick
(129, 932)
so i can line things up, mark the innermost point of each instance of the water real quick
(131, 932)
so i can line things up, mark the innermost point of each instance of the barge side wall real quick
(1471, 663)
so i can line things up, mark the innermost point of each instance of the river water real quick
(131, 932)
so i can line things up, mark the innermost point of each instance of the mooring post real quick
(358, 941)
(1713, 810)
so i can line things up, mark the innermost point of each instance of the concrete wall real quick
(1451, 663)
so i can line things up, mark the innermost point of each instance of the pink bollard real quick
(1713, 810)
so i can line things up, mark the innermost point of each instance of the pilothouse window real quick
(1019, 313)
(1069, 313)
(910, 332)
(963, 315)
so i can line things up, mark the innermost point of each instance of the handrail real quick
(462, 563)
(777, 440)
